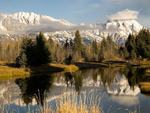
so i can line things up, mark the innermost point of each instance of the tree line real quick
(37, 51)
(137, 46)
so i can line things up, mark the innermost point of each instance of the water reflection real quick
(35, 87)
(138, 77)
(117, 83)
(124, 81)
(75, 80)
(135, 75)
(69, 79)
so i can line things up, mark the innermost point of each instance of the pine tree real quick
(33, 53)
(42, 52)
(95, 47)
(21, 60)
(78, 46)
(95, 50)
(102, 49)
(131, 46)
(26, 53)
(108, 49)
(143, 43)
(123, 52)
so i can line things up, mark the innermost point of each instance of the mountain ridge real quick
(32, 23)
(24, 20)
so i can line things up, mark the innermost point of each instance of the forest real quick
(28, 51)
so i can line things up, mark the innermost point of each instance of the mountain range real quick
(60, 29)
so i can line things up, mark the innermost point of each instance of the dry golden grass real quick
(73, 108)
(143, 63)
(10, 72)
(67, 68)
(74, 103)
(145, 86)
(148, 71)
(71, 102)
(2, 62)
(145, 83)
(7, 72)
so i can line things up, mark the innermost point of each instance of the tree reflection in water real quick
(69, 79)
(74, 79)
(35, 87)
(135, 75)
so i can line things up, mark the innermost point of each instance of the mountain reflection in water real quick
(116, 86)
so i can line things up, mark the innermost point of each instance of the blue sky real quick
(78, 11)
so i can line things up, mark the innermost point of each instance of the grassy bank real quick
(66, 68)
(113, 63)
(148, 71)
(145, 87)
(142, 63)
(9, 72)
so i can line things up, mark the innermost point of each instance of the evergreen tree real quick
(21, 60)
(94, 51)
(95, 47)
(42, 52)
(66, 45)
(139, 46)
(33, 53)
(26, 53)
(102, 50)
(131, 46)
(78, 46)
(108, 49)
(123, 52)
(143, 43)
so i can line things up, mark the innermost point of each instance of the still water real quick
(115, 90)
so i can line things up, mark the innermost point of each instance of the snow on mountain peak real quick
(22, 21)
(34, 18)
(26, 18)
(118, 26)
(121, 24)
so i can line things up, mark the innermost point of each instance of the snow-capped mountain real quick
(121, 24)
(117, 29)
(117, 26)
(120, 29)
(24, 21)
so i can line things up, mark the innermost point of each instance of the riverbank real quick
(8, 71)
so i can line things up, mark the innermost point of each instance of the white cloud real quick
(124, 15)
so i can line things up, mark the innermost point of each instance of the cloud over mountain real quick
(125, 15)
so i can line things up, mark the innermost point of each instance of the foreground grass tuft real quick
(73, 108)
(71, 102)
